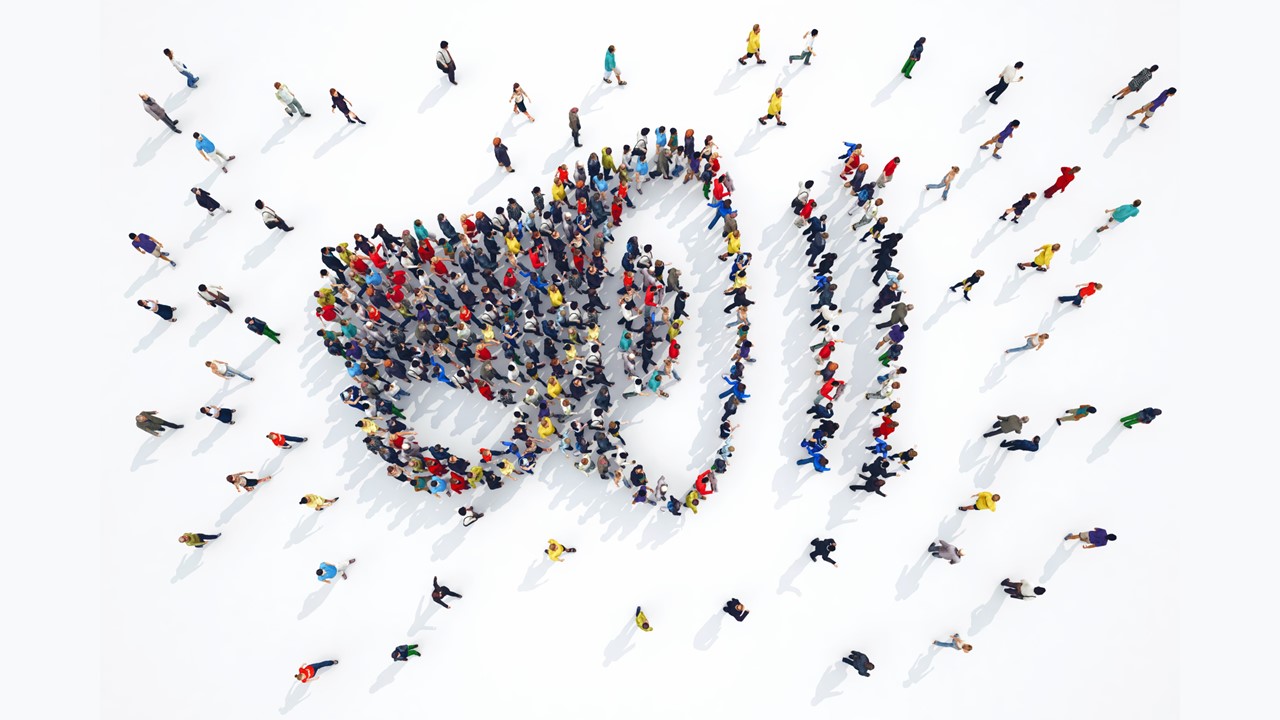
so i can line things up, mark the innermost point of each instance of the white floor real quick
(218, 633)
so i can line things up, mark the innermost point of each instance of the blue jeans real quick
(237, 373)
(949, 644)
(1020, 349)
(1073, 299)
(945, 188)
(191, 79)
(292, 439)
(714, 220)
(320, 665)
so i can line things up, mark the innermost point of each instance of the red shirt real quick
(307, 672)
(359, 265)
(278, 440)
(395, 294)
(327, 312)
(891, 167)
(703, 487)
(426, 252)
(1065, 179)
(825, 352)
(398, 277)
(377, 259)
(437, 267)
(673, 350)
(1089, 289)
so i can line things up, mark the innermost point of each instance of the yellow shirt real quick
(753, 43)
(593, 333)
(985, 502)
(554, 390)
(1044, 256)
(688, 501)
(735, 243)
(641, 621)
(556, 297)
(546, 429)
(555, 551)
(313, 501)
(558, 192)
(369, 426)
(513, 245)
(487, 333)
(775, 104)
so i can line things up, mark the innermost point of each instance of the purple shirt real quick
(1006, 133)
(144, 243)
(1160, 100)
(1098, 536)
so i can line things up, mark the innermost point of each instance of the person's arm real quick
(1088, 546)
(206, 157)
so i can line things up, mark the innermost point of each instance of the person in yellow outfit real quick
(1044, 255)
(674, 330)
(692, 499)
(606, 161)
(553, 389)
(557, 190)
(546, 429)
(642, 622)
(513, 245)
(369, 426)
(733, 245)
(753, 46)
(555, 296)
(775, 108)
(986, 501)
(593, 334)
(316, 502)
(555, 550)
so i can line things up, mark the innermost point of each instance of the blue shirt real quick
(144, 243)
(1006, 133)
(204, 145)
(326, 571)
(609, 62)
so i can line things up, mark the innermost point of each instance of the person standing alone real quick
(810, 38)
(289, 101)
(210, 152)
(1007, 76)
(444, 61)
(575, 126)
(611, 66)
(913, 58)
(774, 111)
(155, 110)
(753, 46)
(181, 68)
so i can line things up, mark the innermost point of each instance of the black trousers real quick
(995, 91)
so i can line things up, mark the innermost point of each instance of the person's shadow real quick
(1085, 247)
(241, 502)
(789, 577)
(1104, 445)
(148, 151)
(207, 443)
(146, 340)
(985, 613)
(922, 667)
(621, 644)
(342, 134)
(206, 327)
(488, 185)
(259, 253)
(828, 683)
(190, 563)
(316, 599)
(198, 233)
(435, 95)
(973, 118)
(887, 91)
(152, 272)
(533, 578)
(287, 125)
(729, 82)
(149, 446)
(1126, 131)
(447, 543)
(1009, 291)
(1059, 557)
(297, 693)
(426, 609)
(911, 575)
(305, 528)
(947, 303)
(1103, 117)
(709, 632)
(386, 677)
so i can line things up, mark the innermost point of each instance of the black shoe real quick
(306, 114)
(741, 61)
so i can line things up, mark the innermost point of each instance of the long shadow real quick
(316, 599)
(177, 99)
(558, 157)
(911, 575)
(533, 578)
(305, 528)
(148, 151)
(152, 272)
(1085, 247)
(729, 82)
(426, 609)
(1126, 131)
(258, 254)
(436, 94)
(921, 667)
(146, 340)
(986, 475)
(444, 546)
(488, 185)
(1103, 117)
(621, 644)
(1104, 445)
(1012, 284)
(827, 684)
(206, 327)
(982, 615)
(387, 676)
(710, 631)
(149, 446)
(198, 233)
(980, 159)
(287, 125)
(997, 372)
(789, 577)
(950, 300)
(971, 454)
(341, 135)
(207, 443)
(887, 91)
(190, 563)
(973, 118)
(1059, 557)
(993, 233)
(297, 693)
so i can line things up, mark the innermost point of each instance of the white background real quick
(223, 637)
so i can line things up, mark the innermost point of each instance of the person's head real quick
(979, 273)
(168, 53)
(1025, 419)
(871, 666)
(333, 92)
(1156, 411)
(319, 572)
(995, 497)
(144, 96)
(1111, 536)
(1097, 286)
(910, 306)
(277, 86)
(1136, 203)
(1016, 123)
(1039, 590)
(497, 142)
(1035, 439)
(444, 45)
(646, 625)
(202, 287)
(778, 92)
(959, 552)
(258, 204)
(1018, 65)
(754, 28)
(814, 32)
(897, 160)
(196, 135)
(1153, 68)
(612, 48)
(1057, 247)
(966, 647)
(1171, 91)
(1075, 169)
(955, 168)
(515, 86)
(895, 386)
(142, 304)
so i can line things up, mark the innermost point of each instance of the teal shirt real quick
(609, 62)
(1124, 212)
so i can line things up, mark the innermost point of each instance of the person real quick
(734, 607)
(775, 109)
(810, 38)
(340, 102)
(181, 68)
(317, 502)
(223, 415)
(753, 46)
(328, 571)
(197, 540)
(147, 245)
(500, 152)
(1094, 538)
(1068, 174)
(999, 138)
(210, 152)
(916, 51)
(1019, 207)
(555, 550)
(1150, 108)
(886, 177)
(872, 486)
(955, 643)
(213, 296)
(944, 550)
(1136, 82)
(575, 126)
(823, 549)
(1007, 76)
(282, 441)
(289, 101)
(155, 110)
(967, 284)
(247, 484)
(611, 66)
(1044, 256)
(1119, 214)
(164, 311)
(642, 622)
(402, 653)
(224, 370)
(148, 422)
(1007, 424)
(270, 218)
(206, 201)
(1022, 590)
(518, 96)
(1144, 416)
(986, 501)
(860, 662)
(260, 328)
(1032, 445)
(439, 592)
(898, 316)
(307, 672)
(444, 61)
(1077, 414)
(945, 182)
(1082, 292)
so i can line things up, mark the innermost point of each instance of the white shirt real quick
(177, 64)
(284, 95)
(219, 367)
(443, 57)
(809, 40)
(1010, 74)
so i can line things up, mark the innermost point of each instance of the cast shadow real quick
(242, 500)
(1104, 445)
(258, 254)
(152, 271)
(729, 83)
(788, 577)
(148, 151)
(488, 185)
(1126, 131)
(190, 563)
(1085, 247)
(982, 615)
(887, 91)
(436, 94)
(316, 599)
(146, 340)
(426, 608)
(305, 528)
(911, 575)
(922, 667)
(149, 446)
(386, 677)
(533, 578)
(1103, 117)
(621, 644)
(997, 372)
(973, 118)
(1009, 291)
(198, 232)
(207, 443)
(709, 632)
(342, 134)
(828, 683)
(970, 454)
(287, 125)
(1056, 561)
(444, 546)
(945, 306)
(206, 327)
(177, 99)
(297, 693)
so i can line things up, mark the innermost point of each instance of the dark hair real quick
(444, 44)
(1016, 123)
(1136, 203)
(1172, 91)
(133, 236)
(1111, 536)
(257, 204)
(319, 572)
(1018, 64)
(195, 135)
(1039, 590)
(611, 48)
(813, 31)
(167, 52)
(303, 501)
(1153, 68)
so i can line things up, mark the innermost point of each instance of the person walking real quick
(999, 138)
(967, 284)
(985, 501)
(402, 653)
(860, 662)
(575, 126)
(916, 51)
(261, 328)
(197, 540)
(444, 61)
(1068, 174)
(1150, 108)
(642, 621)
(206, 201)
(240, 482)
(898, 316)
(181, 68)
(289, 101)
(165, 312)
(1143, 416)
(1082, 292)
(944, 550)
(611, 66)
(317, 502)
(500, 152)
(1007, 424)
(223, 415)
(157, 111)
(823, 549)
(307, 673)
(147, 245)
(328, 571)
(753, 46)
(469, 515)
(1044, 256)
(213, 296)
(1032, 445)
(1022, 590)
(271, 218)
(810, 38)
(1136, 82)
(1094, 538)
(223, 369)
(1077, 414)
(282, 441)
(734, 607)
(1119, 214)
(774, 112)
(341, 103)
(1007, 77)
(1018, 208)
(148, 422)
(210, 152)
(886, 175)
(1035, 341)
(555, 550)
(955, 643)
(518, 96)
(945, 182)
(440, 592)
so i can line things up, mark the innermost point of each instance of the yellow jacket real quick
(553, 389)
(735, 244)
(753, 43)
(688, 500)
(558, 192)
(555, 296)
(555, 551)
(641, 621)
(985, 502)
(513, 245)
(546, 429)
(775, 104)
(1044, 256)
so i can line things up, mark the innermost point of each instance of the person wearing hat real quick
(575, 126)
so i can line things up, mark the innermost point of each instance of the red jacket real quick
(702, 484)
(891, 167)
(307, 672)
